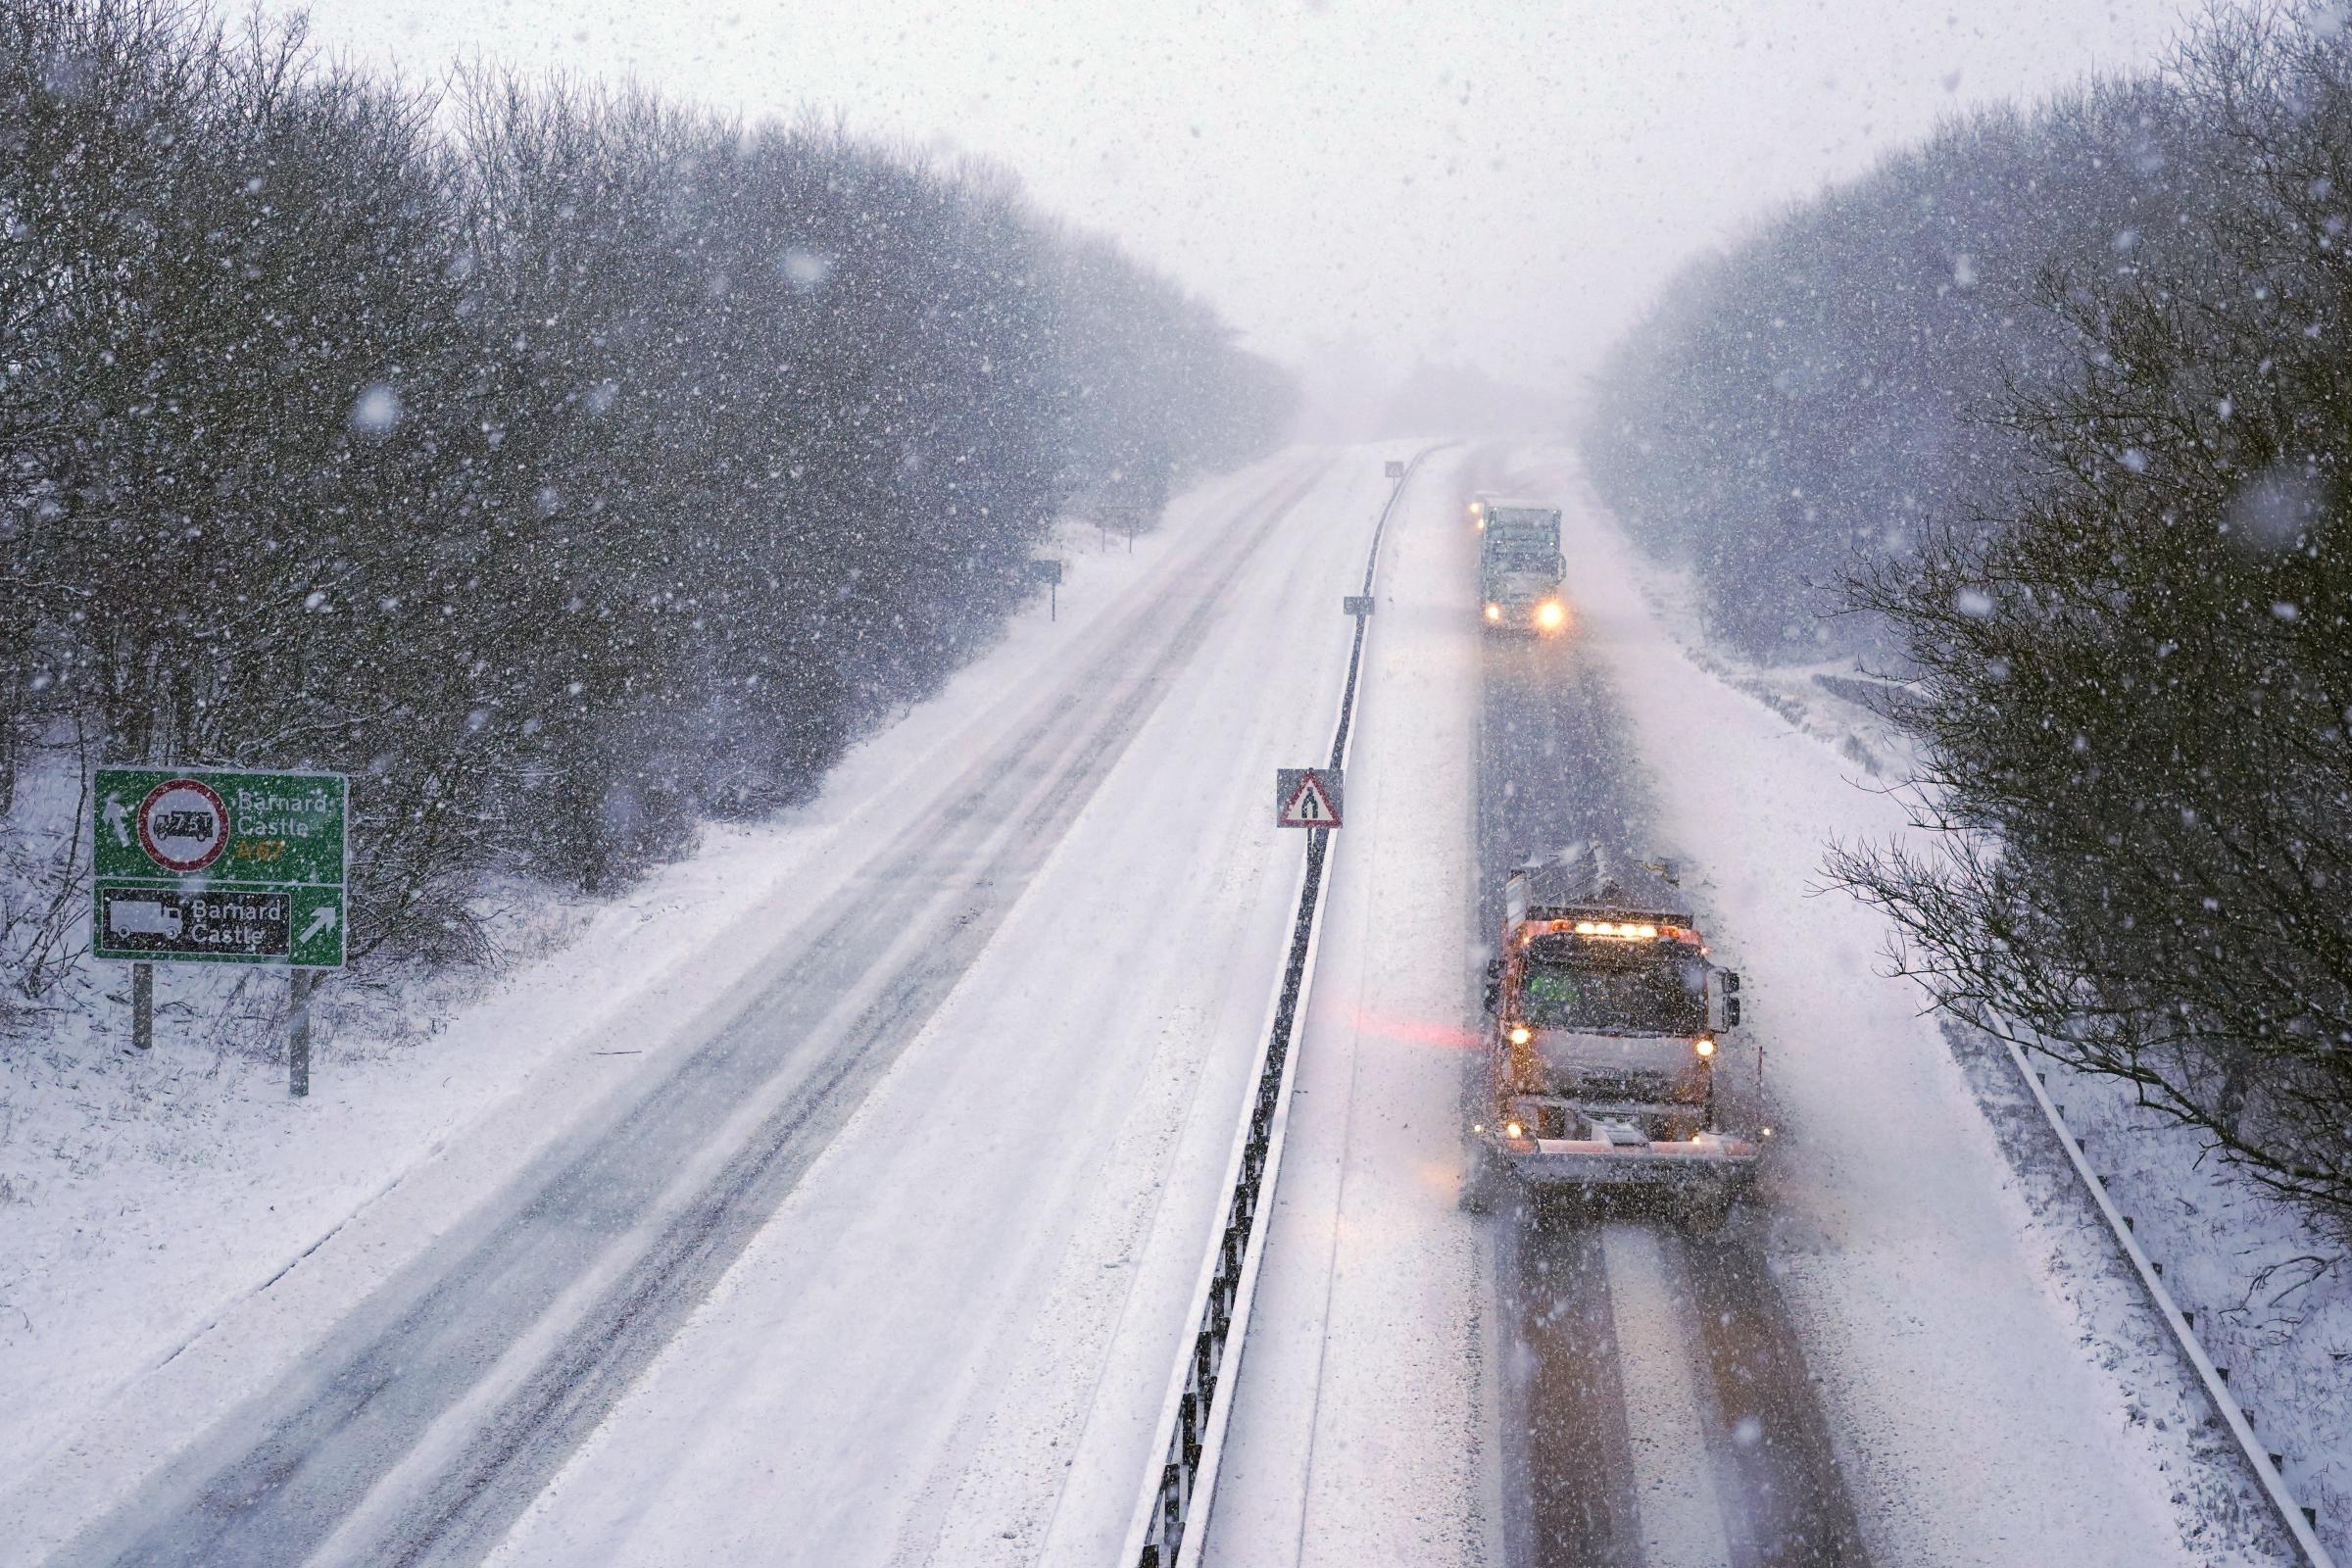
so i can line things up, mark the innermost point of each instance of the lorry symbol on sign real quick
(1307, 797)
(183, 825)
(135, 917)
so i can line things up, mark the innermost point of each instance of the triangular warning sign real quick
(1310, 803)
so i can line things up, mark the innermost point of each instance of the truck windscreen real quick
(1664, 995)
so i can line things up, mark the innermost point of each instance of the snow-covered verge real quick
(2270, 1296)
(141, 1194)
(2271, 1299)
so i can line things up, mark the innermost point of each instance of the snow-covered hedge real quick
(565, 465)
(2064, 399)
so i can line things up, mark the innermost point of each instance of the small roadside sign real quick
(216, 866)
(1047, 570)
(1357, 605)
(1307, 796)
(1395, 470)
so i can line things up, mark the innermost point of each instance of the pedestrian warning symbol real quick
(1307, 797)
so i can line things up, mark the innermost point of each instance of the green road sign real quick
(213, 865)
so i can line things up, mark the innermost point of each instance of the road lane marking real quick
(1682, 1522)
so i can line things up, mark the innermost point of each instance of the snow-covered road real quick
(881, 1251)
(1881, 1362)
(950, 1140)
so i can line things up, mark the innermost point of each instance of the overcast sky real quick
(1464, 178)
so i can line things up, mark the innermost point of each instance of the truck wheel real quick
(1706, 1213)
(1482, 1181)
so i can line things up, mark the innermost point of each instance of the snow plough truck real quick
(1607, 1020)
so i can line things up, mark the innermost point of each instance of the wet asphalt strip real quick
(1555, 768)
(277, 1478)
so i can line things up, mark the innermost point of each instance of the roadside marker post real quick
(221, 865)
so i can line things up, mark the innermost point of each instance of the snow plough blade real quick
(1707, 1161)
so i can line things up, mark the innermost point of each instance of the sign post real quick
(143, 1007)
(220, 865)
(1047, 570)
(1130, 517)
(298, 1032)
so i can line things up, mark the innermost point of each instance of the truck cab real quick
(1520, 567)
(1607, 1019)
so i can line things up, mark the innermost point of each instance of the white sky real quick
(1504, 181)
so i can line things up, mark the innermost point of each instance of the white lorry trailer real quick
(1607, 1020)
(1520, 567)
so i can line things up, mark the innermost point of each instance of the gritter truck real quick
(1520, 567)
(1606, 1018)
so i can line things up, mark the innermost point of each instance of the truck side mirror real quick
(1494, 984)
(1723, 999)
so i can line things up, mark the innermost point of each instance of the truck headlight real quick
(1705, 1048)
(1493, 612)
(1549, 617)
(1520, 1034)
(1511, 1129)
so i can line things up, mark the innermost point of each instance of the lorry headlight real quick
(1493, 612)
(1549, 617)
(1706, 1048)
(1520, 1035)
(1511, 1129)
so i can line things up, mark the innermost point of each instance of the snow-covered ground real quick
(950, 1342)
(2270, 1298)
(1362, 1432)
(1996, 1391)
(154, 1200)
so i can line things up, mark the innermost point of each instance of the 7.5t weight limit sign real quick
(213, 865)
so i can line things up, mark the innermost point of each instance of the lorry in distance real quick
(1520, 567)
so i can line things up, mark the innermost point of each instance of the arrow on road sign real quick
(1307, 797)
(322, 918)
(118, 819)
